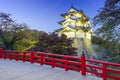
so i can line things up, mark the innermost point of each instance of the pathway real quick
(17, 70)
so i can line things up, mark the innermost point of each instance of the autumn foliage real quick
(53, 43)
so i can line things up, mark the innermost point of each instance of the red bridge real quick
(102, 69)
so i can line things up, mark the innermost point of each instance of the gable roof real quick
(67, 29)
(72, 9)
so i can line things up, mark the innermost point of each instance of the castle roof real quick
(66, 29)
(69, 29)
(72, 9)
(75, 20)
(60, 22)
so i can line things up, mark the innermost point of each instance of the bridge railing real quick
(103, 69)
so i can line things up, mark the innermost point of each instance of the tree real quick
(52, 43)
(111, 49)
(109, 20)
(10, 31)
(30, 39)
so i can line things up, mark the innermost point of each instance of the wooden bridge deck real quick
(12, 70)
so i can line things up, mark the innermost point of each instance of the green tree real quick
(108, 19)
(52, 43)
(30, 39)
(111, 49)
(10, 31)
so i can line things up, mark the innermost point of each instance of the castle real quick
(76, 25)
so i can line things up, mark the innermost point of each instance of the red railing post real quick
(16, 57)
(1, 52)
(66, 64)
(53, 63)
(32, 57)
(24, 56)
(83, 63)
(104, 72)
(4, 55)
(10, 55)
(41, 59)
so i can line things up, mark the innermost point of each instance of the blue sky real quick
(44, 15)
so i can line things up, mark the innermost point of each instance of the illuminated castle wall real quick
(78, 27)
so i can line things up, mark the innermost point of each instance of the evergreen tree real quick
(108, 35)
(109, 20)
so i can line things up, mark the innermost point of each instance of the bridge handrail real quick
(106, 62)
(99, 68)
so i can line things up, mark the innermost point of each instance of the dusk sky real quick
(44, 15)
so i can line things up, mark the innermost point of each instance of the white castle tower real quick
(78, 27)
